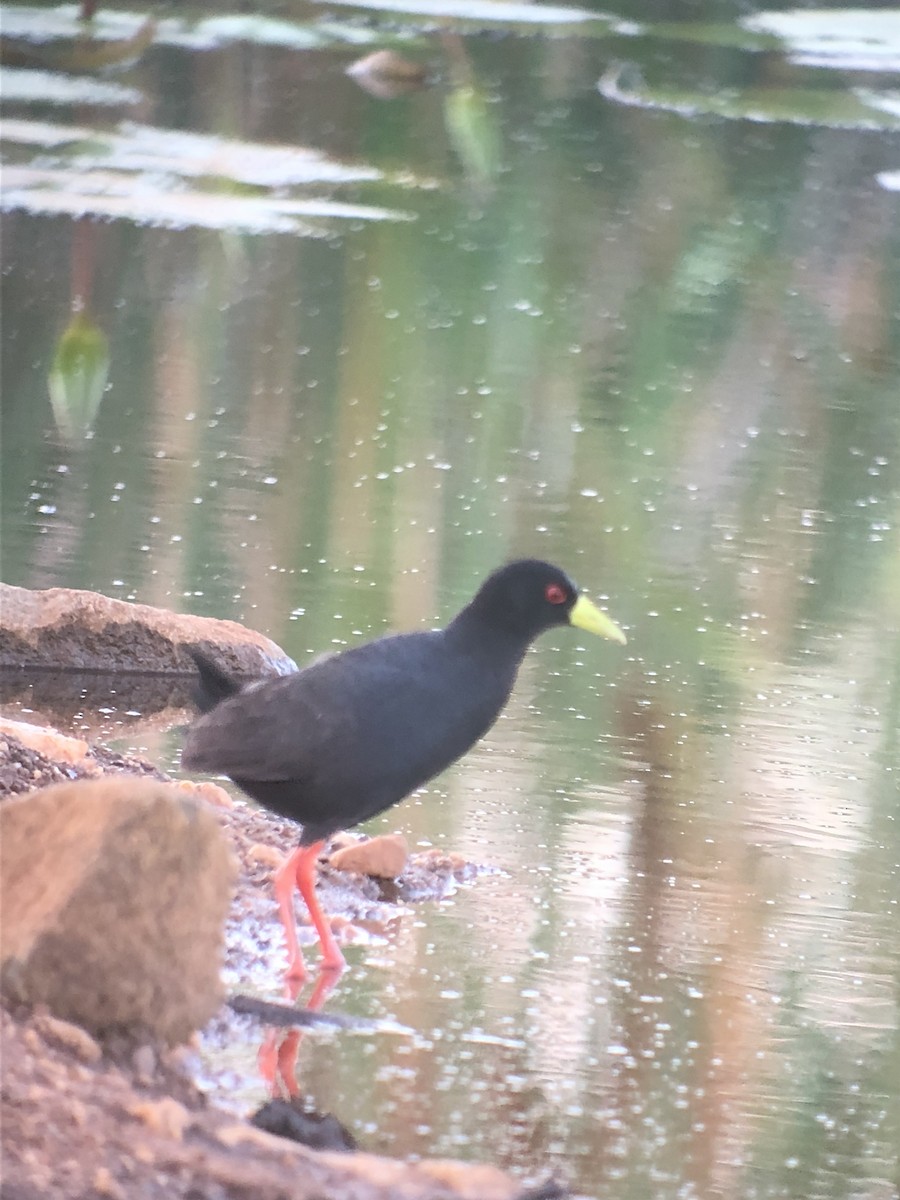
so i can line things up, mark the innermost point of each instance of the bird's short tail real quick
(214, 685)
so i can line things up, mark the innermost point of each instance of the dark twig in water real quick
(286, 1016)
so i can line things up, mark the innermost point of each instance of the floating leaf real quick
(132, 147)
(830, 108)
(107, 194)
(137, 173)
(483, 12)
(856, 39)
(24, 85)
(702, 33)
(78, 376)
(40, 25)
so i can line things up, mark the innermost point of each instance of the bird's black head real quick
(528, 596)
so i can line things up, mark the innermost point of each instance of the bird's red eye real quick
(555, 594)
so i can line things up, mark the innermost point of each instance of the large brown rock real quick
(114, 896)
(63, 628)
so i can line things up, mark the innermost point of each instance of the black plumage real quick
(354, 733)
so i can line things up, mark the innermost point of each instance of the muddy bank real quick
(124, 1119)
(78, 1123)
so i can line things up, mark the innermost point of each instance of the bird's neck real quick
(491, 641)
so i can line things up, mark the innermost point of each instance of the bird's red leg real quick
(305, 868)
(285, 880)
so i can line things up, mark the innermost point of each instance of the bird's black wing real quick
(298, 726)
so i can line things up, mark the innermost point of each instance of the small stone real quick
(265, 856)
(144, 1061)
(55, 746)
(345, 931)
(387, 74)
(106, 1185)
(211, 792)
(384, 857)
(67, 1036)
(166, 1117)
(342, 839)
(32, 1041)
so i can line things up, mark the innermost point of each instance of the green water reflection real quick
(662, 352)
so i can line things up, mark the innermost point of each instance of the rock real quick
(104, 1184)
(265, 856)
(387, 74)
(23, 769)
(385, 857)
(75, 630)
(144, 1063)
(34, 757)
(165, 1116)
(211, 792)
(292, 1119)
(67, 1036)
(343, 838)
(48, 742)
(67, 1131)
(114, 897)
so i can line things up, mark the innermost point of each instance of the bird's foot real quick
(296, 972)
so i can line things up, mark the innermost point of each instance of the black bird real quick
(354, 733)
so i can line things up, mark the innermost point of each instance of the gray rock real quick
(114, 897)
(62, 628)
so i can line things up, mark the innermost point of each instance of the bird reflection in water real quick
(277, 1058)
(287, 1113)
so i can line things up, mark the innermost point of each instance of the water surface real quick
(657, 347)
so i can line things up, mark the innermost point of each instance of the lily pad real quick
(139, 173)
(851, 39)
(484, 12)
(102, 194)
(25, 86)
(40, 25)
(132, 147)
(847, 39)
(831, 108)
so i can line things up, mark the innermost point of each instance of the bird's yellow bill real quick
(587, 615)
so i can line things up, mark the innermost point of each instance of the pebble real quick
(144, 1063)
(166, 1117)
(384, 857)
(67, 1036)
(265, 856)
(106, 1185)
